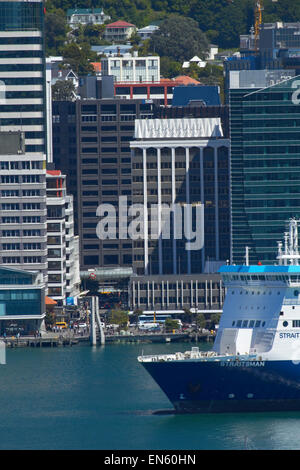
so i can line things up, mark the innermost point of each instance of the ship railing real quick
(291, 302)
(179, 356)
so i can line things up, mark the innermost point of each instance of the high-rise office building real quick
(181, 162)
(265, 153)
(91, 145)
(22, 71)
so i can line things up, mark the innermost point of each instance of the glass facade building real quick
(22, 301)
(22, 71)
(265, 167)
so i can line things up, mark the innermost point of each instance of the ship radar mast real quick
(290, 253)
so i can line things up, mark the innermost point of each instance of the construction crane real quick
(257, 21)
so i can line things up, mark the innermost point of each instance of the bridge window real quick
(257, 324)
(296, 323)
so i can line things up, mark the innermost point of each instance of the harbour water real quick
(83, 397)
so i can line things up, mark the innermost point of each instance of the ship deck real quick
(195, 354)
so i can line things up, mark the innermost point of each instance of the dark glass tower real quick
(22, 71)
(265, 168)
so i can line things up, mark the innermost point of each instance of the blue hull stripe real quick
(216, 386)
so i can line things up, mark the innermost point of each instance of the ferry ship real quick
(254, 364)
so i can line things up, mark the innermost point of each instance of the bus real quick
(157, 318)
(61, 324)
(148, 318)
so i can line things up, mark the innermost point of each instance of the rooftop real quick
(207, 95)
(182, 128)
(120, 24)
(83, 11)
(186, 80)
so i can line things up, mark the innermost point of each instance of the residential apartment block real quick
(23, 217)
(63, 250)
(132, 68)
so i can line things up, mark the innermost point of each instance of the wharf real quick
(147, 337)
(40, 342)
(51, 340)
(158, 337)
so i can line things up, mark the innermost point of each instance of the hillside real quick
(222, 20)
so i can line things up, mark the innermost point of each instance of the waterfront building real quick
(22, 301)
(185, 162)
(202, 293)
(132, 68)
(265, 152)
(22, 71)
(23, 217)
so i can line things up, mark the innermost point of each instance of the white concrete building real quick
(180, 161)
(63, 246)
(131, 68)
(72, 252)
(23, 213)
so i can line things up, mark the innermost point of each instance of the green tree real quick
(187, 316)
(63, 90)
(78, 58)
(50, 318)
(215, 319)
(55, 32)
(171, 325)
(119, 317)
(169, 68)
(179, 38)
(200, 320)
